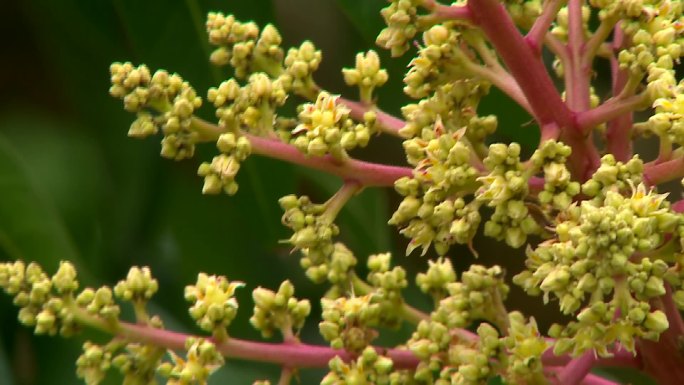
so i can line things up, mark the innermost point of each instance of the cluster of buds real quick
(338, 270)
(138, 363)
(401, 17)
(202, 360)
(313, 233)
(213, 303)
(219, 175)
(436, 279)
(92, 365)
(348, 322)
(657, 44)
(505, 189)
(614, 175)
(242, 46)
(524, 347)
(369, 368)
(251, 107)
(432, 209)
(593, 254)
(139, 285)
(441, 61)
(44, 300)
(452, 106)
(367, 75)
(387, 283)
(559, 188)
(161, 101)
(278, 311)
(668, 120)
(300, 65)
(478, 295)
(464, 363)
(326, 128)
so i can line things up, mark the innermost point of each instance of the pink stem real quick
(618, 358)
(521, 60)
(655, 174)
(610, 110)
(535, 36)
(577, 369)
(388, 123)
(366, 173)
(577, 77)
(590, 379)
(618, 136)
(290, 355)
(448, 12)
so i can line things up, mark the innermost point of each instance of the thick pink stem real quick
(286, 354)
(534, 80)
(657, 173)
(577, 369)
(609, 111)
(388, 123)
(618, 136)
(577, 76)
(521, 60)
(366, 173)
(541, 26)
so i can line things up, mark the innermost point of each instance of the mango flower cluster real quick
(325, 128)
(348, 322)
(592, 266)
(49, 303)
(387, 283)
(657, 42)
(441, 61)
(201, 361)
(366, 74)
(241, 44)
(219, 175)
(402, 20)
(278, 310)
(369, 368)
(313, 233)
(477, 295)
(434, 209)
(213, 303)
(160, 101)
(505, 189)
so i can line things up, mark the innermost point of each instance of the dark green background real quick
(73, 186)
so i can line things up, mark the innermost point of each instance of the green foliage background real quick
(73, 186)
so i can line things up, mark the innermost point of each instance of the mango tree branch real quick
(577, 369)
(609, 110)
(535, 36)
(290, 355)
(365, 173)
(387, 123)
(447, 12)
(577, 82)
(524, 65)
(655, 174)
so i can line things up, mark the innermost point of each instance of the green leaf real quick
(30, 227)
(5, 370)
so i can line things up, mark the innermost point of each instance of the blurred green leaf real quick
(5, 372)
(30, 227)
